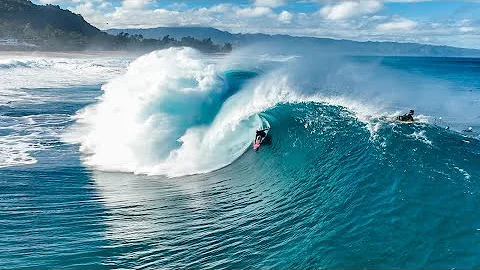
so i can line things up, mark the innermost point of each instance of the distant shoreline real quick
(107, 53)
(92, 53)
(70, 53)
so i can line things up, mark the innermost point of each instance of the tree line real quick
(125, 41)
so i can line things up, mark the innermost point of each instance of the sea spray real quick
(178, 112)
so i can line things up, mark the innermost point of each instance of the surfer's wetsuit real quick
(261, 133)
(406, 117)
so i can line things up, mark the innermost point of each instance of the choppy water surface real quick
(147, 163)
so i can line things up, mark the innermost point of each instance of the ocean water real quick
(146, 162)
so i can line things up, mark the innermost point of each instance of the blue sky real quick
(455, 23)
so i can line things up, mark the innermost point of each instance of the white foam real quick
(151, 120)
(466, 175)
(25, 135)
(143, 113)
(18, 73)
(22, 78)
(420, 136)
(14, 150)
(145, 122)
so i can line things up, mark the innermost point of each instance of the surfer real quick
(260, 134)
(406, 117)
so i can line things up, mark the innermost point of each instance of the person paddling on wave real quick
(406, 117)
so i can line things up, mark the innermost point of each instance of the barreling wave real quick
(173, 113)
(178, 112)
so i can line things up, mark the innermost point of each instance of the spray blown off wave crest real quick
(174, 113)
(178, 112)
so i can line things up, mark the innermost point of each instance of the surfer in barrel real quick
(407, 117)
(259, 136)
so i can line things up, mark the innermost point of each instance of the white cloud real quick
(270, 3)
(105, 5)
(251, 12)
(135, 4)
(466, 29)
(285, 17)
(397, 25)
(178, 6)
(347, 9)
(59, 2)
(85, 9)
(345, 19)
(221, 8)
(407, 1)
(49, 1)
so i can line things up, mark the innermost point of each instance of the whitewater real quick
(146, 161)
(178, 112)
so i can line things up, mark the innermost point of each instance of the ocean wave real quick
(178, 112)
(14, 63)
(84, 64)
(26, 72)
(22, 136)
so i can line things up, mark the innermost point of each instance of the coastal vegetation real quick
(27, 26)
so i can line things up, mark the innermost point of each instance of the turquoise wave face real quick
(322, 192)
(336, 184)
(200, 108)
(319, 141)
(325, 188)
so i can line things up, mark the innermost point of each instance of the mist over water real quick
(178, 112)
(121, 162)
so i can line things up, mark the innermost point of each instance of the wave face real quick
(337, 183)
(321, 193)
(173, 113)
(178, 112)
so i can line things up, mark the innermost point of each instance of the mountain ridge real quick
(27, 26)
(359, 47)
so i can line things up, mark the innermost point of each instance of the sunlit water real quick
(337, 183)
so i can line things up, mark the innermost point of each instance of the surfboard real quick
(257, 143)
(407, 122)
(395, 119)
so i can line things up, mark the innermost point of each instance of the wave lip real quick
(177, 112)
(166, 115)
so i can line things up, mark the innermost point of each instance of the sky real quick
(454, 23)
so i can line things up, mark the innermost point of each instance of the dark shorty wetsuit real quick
(261, 133)
(405, 117)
